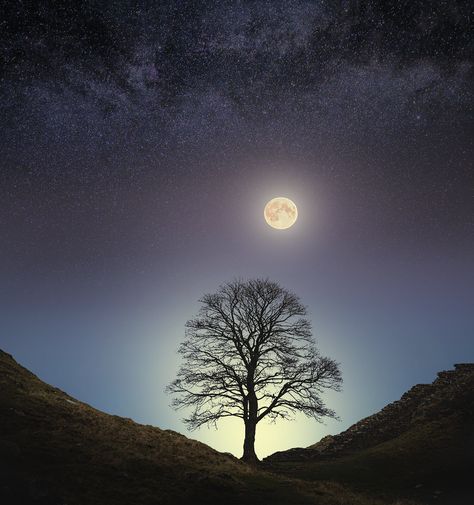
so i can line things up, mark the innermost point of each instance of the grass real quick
(431, 462)
(56, 450)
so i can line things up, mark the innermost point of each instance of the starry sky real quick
(140, 142)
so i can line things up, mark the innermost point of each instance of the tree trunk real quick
(251, 410)
(249, 442)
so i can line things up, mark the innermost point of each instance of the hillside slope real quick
(420, 446)
(55, 450)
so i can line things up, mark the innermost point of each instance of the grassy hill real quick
(421, 446)
(56, 450)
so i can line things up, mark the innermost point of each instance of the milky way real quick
(94, 99)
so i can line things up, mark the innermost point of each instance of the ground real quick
(57, 450)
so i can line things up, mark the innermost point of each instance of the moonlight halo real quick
(280, 213)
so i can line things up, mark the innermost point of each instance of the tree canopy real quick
(249, 353)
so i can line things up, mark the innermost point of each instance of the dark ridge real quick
(452, 392)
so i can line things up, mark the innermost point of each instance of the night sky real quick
(140, 143)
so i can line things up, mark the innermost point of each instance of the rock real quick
(451, 392)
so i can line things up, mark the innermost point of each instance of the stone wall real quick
(452, 391)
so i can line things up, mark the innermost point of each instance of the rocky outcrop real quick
(452, 391)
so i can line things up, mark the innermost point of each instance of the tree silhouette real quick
(249, 353)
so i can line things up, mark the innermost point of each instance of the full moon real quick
(280, 213)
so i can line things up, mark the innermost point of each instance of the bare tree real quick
(249, 353)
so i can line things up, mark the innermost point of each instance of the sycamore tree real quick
(249, 353)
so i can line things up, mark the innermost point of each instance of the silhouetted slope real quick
(451, 393)
(56, 450)
(54, 447)
(420, 446)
